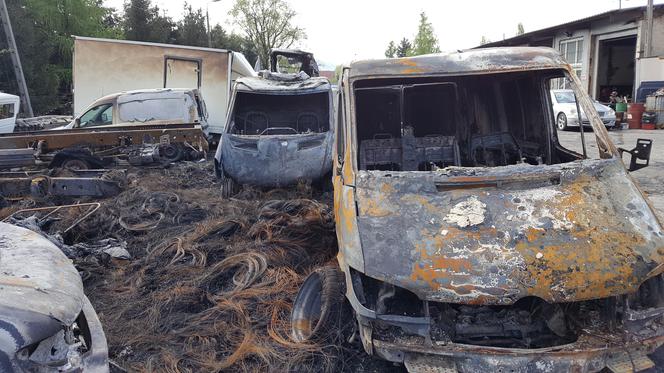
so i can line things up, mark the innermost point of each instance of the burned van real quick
(279, 131)
(471, 238)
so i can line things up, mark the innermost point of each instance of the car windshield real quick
(566, 97)
(262, 114)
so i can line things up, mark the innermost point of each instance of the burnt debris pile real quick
(211, 280)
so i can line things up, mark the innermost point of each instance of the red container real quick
(634, 114)
(647, 126)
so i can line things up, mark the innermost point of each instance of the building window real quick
(572, 51)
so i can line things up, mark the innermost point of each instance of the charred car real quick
(279, 131)
(47, 324)
(470, 238)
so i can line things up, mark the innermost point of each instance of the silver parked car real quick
(564, 110)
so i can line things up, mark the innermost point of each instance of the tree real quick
(391, 50)
(425, 41)
(43, 30)
(143, 22)
(222, 40)
(519, 29)
(267, 24)
(484, 40)
(404, 48)
(191, 30)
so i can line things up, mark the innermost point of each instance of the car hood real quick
(562, 233)
(36, 277)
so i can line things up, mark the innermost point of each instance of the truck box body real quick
(104, 66)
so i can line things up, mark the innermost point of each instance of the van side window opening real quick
(341, 122)
(6, 111)
(262, 114)
(166, 109)
(422, 124)
(99, 115)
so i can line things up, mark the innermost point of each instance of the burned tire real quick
(318, 309)
(228, 185)
(171, 152)
(75, 164)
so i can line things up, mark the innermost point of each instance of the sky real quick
(340, 31)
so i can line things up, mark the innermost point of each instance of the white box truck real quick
(106, 66)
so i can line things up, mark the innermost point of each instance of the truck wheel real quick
(171, 152)
(75, 164)
(228, 185)
(319, 305)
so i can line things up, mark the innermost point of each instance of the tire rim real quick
(562, 122)
(307, 307)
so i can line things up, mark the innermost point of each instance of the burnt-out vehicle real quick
(279, 131)
(470, 238)
(47, 324)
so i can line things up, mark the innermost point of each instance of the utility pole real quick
(16, 59)
(207, 18)
(648, 29)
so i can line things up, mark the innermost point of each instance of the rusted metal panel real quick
(491, 238)
(466, 62)
(104, 137)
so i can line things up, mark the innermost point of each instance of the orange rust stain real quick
(421, 200)
(533, 234)
(413, 71)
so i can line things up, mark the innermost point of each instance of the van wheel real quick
(561, 122)
(228, 185)
(74, 164)
(318, 308)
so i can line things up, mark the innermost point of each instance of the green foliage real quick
(222, 40)
(519, 29)
(391, 50)
(404, 49)
(143, 22)
(425, 41)
(43, 30)
(192, 29)
(267, 24)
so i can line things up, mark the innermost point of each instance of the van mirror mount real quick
(640, 154)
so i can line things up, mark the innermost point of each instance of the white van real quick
(9, 106)
(144, 107)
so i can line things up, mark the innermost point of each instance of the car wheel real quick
(561, 122)
(318, 308)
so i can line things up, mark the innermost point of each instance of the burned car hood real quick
(562, 233)
(276, 160)
(36, 277)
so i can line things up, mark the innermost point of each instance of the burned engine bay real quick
(421, 124)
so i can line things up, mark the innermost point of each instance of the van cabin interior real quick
(421, 124)
(280, 114)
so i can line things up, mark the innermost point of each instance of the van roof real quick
(472, 61)
(281, 83)
(6, 98)
(145, 91)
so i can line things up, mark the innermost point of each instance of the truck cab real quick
(144, 107)
(9, 107)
